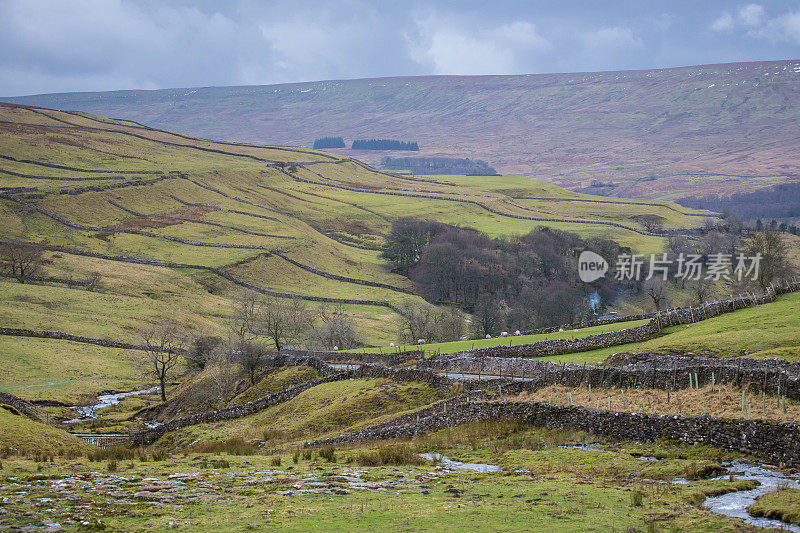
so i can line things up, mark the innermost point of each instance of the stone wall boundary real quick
(777, 442)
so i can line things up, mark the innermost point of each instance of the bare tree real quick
(251, 357)
(224, 375)
(701, 290)
(283, 320)
(21, 260)
(774, 256)
(338, 331)
(656, 290)
(163, 349)
(244, 323)
(93, 280)
(420, 321)
(651, 223)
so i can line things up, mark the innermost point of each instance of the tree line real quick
(259, 327)
(506, 284)
(384, 144)
(329, 142)
(438, 165)
(778, 202)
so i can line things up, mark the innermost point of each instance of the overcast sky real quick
(93, 45)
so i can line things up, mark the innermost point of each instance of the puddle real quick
(458, 465)
(88, 412)
(735, 504)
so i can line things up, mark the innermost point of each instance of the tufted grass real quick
(782, 504)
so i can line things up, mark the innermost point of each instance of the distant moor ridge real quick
(661, 134)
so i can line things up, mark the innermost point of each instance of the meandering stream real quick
(89, 412)
(735, 504)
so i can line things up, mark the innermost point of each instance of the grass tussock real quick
(395, 454)
(781, 504)
(328, 453)
(231, 446)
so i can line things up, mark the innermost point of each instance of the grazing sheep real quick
(561, 330)
(391, 344)
(488, 336)
(504, 334)
(420, 341)
(517, 333)
(335, 348)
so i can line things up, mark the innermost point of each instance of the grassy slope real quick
(132, 295)
(765, 331)
(661, 133)
(26, 437)
(457, 346)
(322, 410)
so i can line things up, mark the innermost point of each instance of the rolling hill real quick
(177, 226)
(659, 134)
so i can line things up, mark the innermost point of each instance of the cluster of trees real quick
(431, 324)
(329, 142)
(25, 262)
(384, 144)
(507, 284)
(778, 202)
(439, 165)
(259, 327)
(21, 261)
(732, 239)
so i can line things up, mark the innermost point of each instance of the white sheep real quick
(517, 333)
(391, 344)
(335, 348)
(420, 341)
(561, 330)
(488, 336)
(504, 334)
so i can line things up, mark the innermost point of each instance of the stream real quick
(735, 504)
(458, 465)
(88, 412)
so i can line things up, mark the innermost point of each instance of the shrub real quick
(276, 461)
(159, 455)
(220, 463)
(295, 458)
(112, 465)
(637, 499)
(232, 446)
(397, 454)
(328, 453)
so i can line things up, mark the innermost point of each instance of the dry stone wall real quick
(773, 376)
(777, 442)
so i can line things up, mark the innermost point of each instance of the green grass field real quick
(458, 346)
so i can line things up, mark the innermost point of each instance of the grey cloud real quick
(89, 45)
